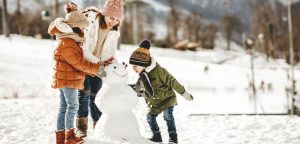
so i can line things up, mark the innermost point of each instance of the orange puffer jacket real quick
(70, 66)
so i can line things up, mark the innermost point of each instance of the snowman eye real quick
(115, 67)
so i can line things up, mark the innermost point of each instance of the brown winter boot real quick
(82, 127)
(60, 137)
(71, 138)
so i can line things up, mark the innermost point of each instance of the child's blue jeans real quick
(67, 108)
(168, 117)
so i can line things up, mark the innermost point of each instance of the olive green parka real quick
(159, 86)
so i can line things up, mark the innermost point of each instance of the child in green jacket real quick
(156, 85)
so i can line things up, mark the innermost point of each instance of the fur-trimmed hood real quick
(62, 30)
(58, 26)
(152, 65)
(145, 76)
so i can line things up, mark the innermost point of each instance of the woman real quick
(101, 42)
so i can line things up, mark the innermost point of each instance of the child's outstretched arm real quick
(169, 80)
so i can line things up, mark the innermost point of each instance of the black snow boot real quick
(156, 137)
(173, 138)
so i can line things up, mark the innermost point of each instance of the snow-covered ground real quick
(29, 105)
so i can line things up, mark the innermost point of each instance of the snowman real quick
(118, 123)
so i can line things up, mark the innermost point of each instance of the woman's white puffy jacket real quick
(91, 35)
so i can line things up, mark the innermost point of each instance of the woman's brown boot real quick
(82, 127)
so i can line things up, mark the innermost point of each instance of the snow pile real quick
(24, 121)
(25, 67)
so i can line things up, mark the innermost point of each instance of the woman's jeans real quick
(168, 117)
(67, 108)
(87, 98)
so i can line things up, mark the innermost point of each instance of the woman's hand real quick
(109, 61)
(106, 62)
(101, 63)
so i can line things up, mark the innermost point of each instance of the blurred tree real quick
(272, 22)
(264, 22)
(193, 25)
(134, 23)
(230, 23)
(173, 23)
(296, 31)
(5, 18)
(27, 23)
(126, 32)
(38, 27)
(144, 21)
(18, 16)
(149, 32)
(56, 8)
(19, 23)
(1, 27)
(208, 36)
(134, 16)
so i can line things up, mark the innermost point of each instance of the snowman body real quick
(118, 124)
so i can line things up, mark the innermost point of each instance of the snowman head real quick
(91, 14)
(116, 73)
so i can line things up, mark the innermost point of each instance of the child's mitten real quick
(187, 96)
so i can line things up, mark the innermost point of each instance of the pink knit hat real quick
(113, 8)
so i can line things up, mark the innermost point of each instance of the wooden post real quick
(291, 54)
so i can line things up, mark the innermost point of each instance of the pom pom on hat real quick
(74, 18)
(145, 44)
(70, 6)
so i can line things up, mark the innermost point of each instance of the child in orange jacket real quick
(70, 69)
